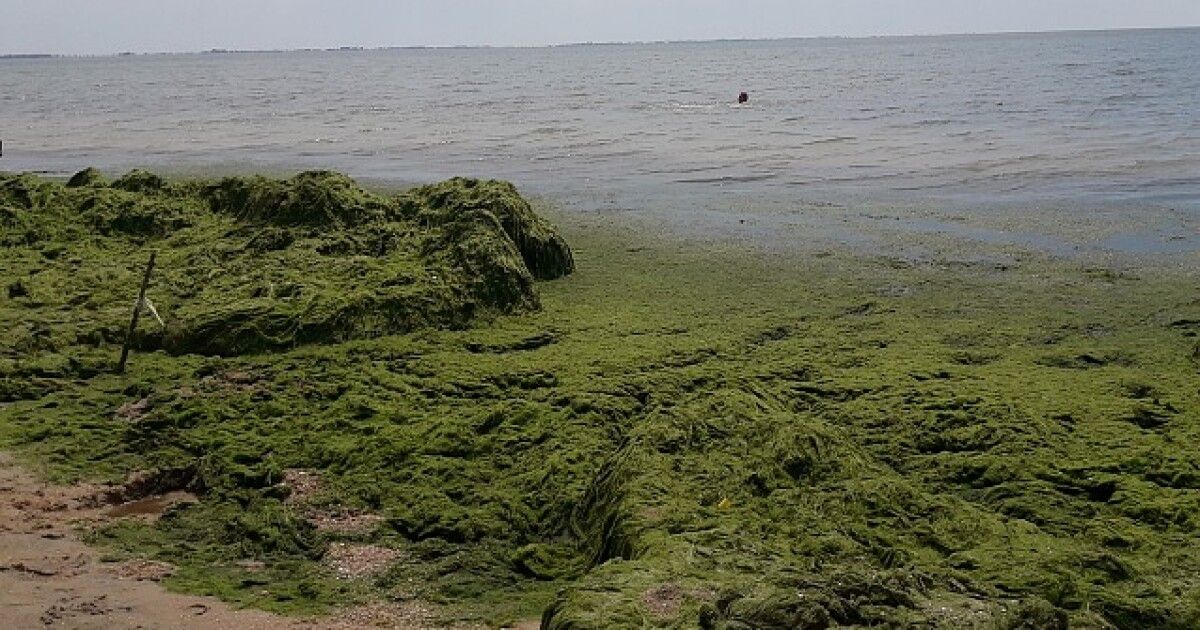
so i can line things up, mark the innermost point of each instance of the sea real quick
(1093, 119)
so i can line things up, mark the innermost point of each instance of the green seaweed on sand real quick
(730, 441)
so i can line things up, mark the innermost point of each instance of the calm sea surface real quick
(1088, 118)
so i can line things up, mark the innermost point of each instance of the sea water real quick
(1088, 118)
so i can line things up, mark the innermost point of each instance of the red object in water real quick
(743, 98)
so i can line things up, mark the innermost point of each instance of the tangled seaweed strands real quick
(434, 256)
(721, 443)
(545, 252)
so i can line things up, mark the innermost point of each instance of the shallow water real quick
(1105, 118)
(149, 506)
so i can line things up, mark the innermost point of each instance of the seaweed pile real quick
(678, 438)
(255, 264)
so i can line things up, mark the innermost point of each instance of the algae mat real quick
(670, 436)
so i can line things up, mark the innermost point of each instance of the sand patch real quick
(351, 562)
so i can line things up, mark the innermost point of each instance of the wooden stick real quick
(137, 309)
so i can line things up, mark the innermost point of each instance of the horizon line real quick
(364, 48)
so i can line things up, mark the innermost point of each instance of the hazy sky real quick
(106, 26)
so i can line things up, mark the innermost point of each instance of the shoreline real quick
(1124, 235)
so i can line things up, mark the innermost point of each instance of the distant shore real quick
(361, 47)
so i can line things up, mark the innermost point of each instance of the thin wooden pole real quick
(137, 309)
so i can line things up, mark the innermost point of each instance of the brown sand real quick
(49, 579)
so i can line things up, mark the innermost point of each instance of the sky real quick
(111, 26)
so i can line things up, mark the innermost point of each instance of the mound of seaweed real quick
(315, 198)
(252, 264)
(545, 252)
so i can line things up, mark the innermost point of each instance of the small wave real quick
(829, 140)
(729, 179)
(1128, 96)
(787, 132)
(542, 131)
(614, 154)
(681, 171)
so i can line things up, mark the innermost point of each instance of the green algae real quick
(254, 264)
(544, 251)
(729, 441)
(87, 177)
